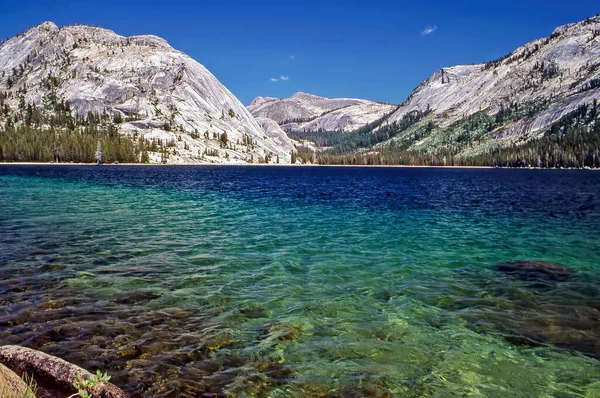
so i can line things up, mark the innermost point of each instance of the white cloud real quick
(280, 79)
(292, 57)
(429, 30)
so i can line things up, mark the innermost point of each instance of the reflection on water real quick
(305, 281)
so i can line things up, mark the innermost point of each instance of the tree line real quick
(30, 144)
(52, 133)
(571, 142)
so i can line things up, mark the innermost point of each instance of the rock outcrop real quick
(52, 375)
(556, 74)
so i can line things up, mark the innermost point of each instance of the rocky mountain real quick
(139, 83)
(464, 114)
(537, 84)
(307, 112)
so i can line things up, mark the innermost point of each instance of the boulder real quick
(11, 385)
(52, 375)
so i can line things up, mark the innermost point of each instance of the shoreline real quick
(240, 165)
(286, 165)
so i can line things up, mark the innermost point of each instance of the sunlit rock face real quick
(160, 92)
(276, 133)
(307, 112)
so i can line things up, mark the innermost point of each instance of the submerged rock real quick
(564, 312)
(284, 332)
(52, 375)
(254, 312)
(50, 267)
(574, 329)
(136, 297)
(365, 391)
(532, 270)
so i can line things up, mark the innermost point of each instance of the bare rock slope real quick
(307, 112)
(558, 73)
(159, 92)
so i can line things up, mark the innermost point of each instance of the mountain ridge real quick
(304, 111)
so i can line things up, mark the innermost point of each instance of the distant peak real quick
(261, 100)
(150, 40)
(301, 94)
(562, 29)
(48, 25)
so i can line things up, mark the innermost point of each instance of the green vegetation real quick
(414, 139)
(592, 84)
(86, 386)
(26, 144)
(51, 133)
(224, 140)
(367, 135)
(305, 155)
(573, 141)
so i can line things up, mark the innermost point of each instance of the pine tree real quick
(224, 139)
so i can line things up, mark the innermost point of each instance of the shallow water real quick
(286, 282)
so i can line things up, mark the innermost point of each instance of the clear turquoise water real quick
(286, 282)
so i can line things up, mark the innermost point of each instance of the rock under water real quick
(541, 304)
(166, 352)
(533, 270)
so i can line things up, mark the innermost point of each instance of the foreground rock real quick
(54, 376)
(11, 385)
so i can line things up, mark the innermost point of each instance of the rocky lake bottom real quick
(302, 282)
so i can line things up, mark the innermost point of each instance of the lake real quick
(306, 281)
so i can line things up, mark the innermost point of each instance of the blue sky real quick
(378, 50)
